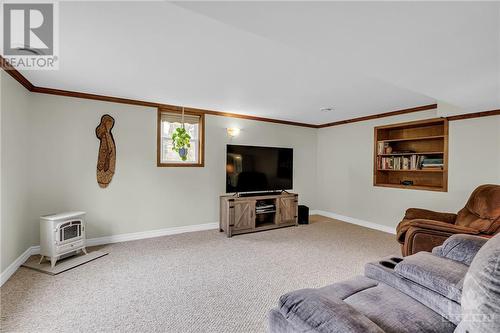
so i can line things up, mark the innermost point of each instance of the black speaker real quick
(303, 214)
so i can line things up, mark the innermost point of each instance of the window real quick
(168, 122)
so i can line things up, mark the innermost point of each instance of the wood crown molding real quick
(234, 115)
(380, 115)
(474, 115)
(15, 74)
(59, 92)
(67, 93)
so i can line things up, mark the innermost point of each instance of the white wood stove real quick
(61, 234)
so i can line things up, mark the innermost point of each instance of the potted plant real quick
(181, 142)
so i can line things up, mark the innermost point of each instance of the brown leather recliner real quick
(421, 229)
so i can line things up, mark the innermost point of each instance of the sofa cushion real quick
(462, 248)
(347, 288)
(365, 306)
(481, 291)
(396, 312)
(436, 273)
(311, 309)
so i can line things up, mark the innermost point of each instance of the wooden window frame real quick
(201, 138)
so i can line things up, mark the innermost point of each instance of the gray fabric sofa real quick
(456, 288)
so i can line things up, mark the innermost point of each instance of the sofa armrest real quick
(418, 213)
(308, 310)
(460, 247)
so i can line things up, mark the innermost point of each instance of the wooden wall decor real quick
(107, 151)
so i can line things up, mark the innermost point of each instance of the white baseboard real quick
(150, 234)
(353, 220)
(35, 249)
(5, 275)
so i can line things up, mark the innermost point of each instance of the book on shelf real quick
(382, 147)
(406, 163)
(432, 161)
(412, 162)
(432, 167)
(432, 164)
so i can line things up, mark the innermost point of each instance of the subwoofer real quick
(303, 214)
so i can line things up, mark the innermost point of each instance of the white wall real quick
(141, 196)
(16, 233)
(49, 156)
(345, 169)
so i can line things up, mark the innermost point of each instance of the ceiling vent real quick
(328, 109)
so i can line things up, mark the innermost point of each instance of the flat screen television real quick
(252, 168)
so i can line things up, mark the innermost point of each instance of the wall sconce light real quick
(233, 131)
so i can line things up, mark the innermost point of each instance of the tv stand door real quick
(244, 215)
(287, 210)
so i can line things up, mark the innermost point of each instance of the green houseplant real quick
(181, 142)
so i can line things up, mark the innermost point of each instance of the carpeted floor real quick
(193, 282)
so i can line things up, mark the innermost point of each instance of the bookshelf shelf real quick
(418, 170)
(407, 154)
(413, 187)
(412, 144)
(432, 137)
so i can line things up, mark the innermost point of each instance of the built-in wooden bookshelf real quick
(412, 155)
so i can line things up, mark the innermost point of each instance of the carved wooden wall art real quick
(107, 151)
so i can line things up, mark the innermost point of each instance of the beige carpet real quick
(194, 282)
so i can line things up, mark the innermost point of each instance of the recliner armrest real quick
(418, 213)
(424, 235)
(442, 226)
(460, 247)
(421, 214)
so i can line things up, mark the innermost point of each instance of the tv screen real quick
(251, 168)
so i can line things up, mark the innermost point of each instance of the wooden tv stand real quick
(241, 215)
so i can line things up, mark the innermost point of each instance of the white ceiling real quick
(283, 60)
